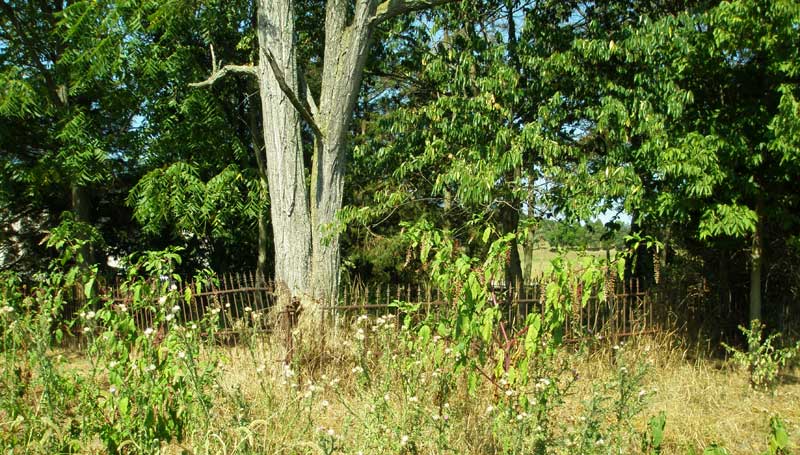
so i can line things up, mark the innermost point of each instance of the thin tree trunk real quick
(756, 265)
(509, 217)
(81, 207)
(724, 283)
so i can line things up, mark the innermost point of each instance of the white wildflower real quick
(176, 308)
(181, 355)
(403, 440)
(162, 300)
(148, 331)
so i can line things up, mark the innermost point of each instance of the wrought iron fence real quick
(246, 301)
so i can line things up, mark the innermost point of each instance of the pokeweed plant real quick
(520, 362)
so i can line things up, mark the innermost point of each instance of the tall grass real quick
(374, 388)
(370, 385)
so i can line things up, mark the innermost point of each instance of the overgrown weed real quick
(460, 382)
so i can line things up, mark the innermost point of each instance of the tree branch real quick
(218, 74)
(312, 105)
(302, 106)
(392, 8)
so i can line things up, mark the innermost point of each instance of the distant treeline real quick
(591, 235)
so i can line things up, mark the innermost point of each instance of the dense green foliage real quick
(683, 116)
(485, 132)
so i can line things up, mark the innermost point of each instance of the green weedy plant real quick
(763, 360)
(35, 391)
(778, 438)
(520, 363)
(146, 385)
(653, 436)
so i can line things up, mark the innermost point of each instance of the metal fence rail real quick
(246, 301)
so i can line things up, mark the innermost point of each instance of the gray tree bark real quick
(305, 232)
(283, 149)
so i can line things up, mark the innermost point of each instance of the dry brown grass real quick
(706, 401)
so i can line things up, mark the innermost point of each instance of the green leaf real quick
(88, 288)
(486, 234)
(532, 336)
(424, 335)
(487, 327)
(621, 267)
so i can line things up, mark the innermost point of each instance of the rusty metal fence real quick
(246, 302)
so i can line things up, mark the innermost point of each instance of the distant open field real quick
(538, 261)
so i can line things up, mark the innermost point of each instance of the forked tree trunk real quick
(305, 235)
(345, 58)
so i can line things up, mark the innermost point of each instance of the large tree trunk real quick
(283, 148)
(305, 234)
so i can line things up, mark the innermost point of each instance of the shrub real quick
(762, 360)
